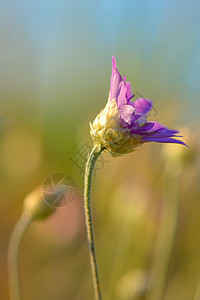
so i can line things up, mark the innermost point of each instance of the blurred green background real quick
(55, 67)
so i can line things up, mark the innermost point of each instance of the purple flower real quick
(123, 125)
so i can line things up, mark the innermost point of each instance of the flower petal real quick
(126, 114)
(122, 100)
(155, 127)
(129, 91)
(163, 140)
(142, 105)
(115, 80)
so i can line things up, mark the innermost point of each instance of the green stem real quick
(13, 253)
(96, 151)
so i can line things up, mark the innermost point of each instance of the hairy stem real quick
(13, 253)
(96, 151)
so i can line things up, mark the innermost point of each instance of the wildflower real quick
(122, 125)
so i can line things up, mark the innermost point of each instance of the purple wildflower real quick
(123, 125)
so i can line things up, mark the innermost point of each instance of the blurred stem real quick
(167, 232)
(13, 255)
(95, 153)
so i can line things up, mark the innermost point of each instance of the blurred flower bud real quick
(37, 207)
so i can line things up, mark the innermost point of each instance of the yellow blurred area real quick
(128, 195)
(20, 153)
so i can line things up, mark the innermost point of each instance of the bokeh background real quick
(55, 67)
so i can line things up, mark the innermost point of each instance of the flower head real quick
(122, 125)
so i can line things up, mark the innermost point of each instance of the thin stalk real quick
(13, 255)
(96, 151)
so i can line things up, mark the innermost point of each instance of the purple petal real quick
(142, 105)
(122, 100)
(163, 140)
(115, 80)
(129, 91)
(127, 113)
(152, 127)
(162, 135)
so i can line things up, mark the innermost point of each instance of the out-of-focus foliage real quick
(54, 78)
